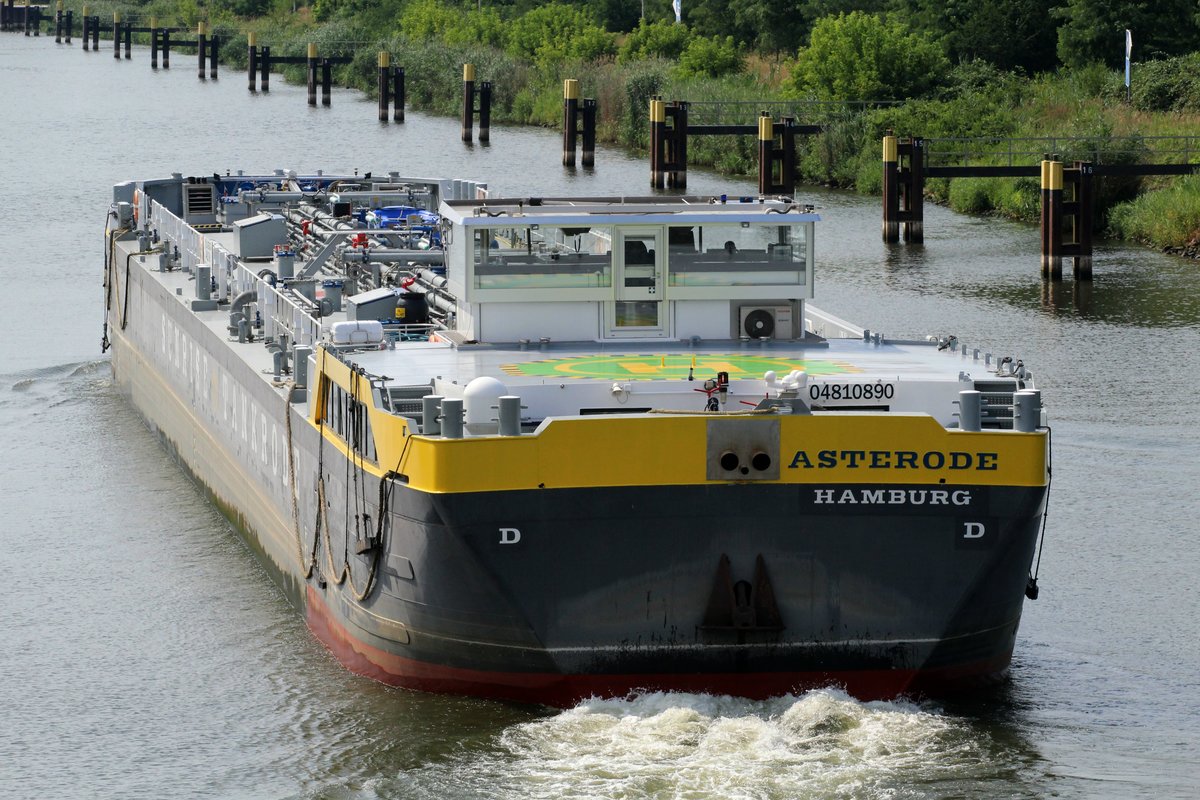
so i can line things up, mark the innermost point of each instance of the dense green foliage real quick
(961, 69)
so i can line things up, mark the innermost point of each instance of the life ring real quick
(137, 201)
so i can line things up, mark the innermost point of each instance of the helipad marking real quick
(672, 367)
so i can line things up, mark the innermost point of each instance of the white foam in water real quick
(820, 744)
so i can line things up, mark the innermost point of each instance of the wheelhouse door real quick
(639, 262)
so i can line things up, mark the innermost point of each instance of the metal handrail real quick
(1020, 150)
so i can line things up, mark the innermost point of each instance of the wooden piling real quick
(675, 146)
(154, 43)
(214, 50)
(96, 34)
(398, 94)
(485, 112)
(912, 185)
(312, 73)
(264, 68)
(116, 34)
(68, 23)
(85, 24)
(891, 189)
(570, 120)
(385, 85)
(201, 41)
(58, 21)
(766, 141)
(326, 82)
(1083, 196)
(588, 156)
(166, 48)
(468, 106)
(252, 61)
(128, 40)
(1052, 201)
(658, 118)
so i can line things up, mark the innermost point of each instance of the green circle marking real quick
(673, 367)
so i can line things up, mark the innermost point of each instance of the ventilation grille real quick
(997, 403)
(199, 200)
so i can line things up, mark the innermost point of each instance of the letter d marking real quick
(973, 530)
(512, 536)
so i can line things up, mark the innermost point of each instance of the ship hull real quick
(553, 595)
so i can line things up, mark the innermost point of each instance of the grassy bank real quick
(622, 73)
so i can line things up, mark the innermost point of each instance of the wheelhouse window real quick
(543, 257)
(737, 255)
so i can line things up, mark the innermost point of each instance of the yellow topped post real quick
(891, 188)
(570, 89)
(385, 59)
(469, 72)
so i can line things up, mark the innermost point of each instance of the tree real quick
(1007, 33)
(1093, 31)
(859, 56)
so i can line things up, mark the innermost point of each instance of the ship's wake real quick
(822, 744)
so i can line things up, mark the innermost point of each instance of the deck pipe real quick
(1027, 410)
(510, 415)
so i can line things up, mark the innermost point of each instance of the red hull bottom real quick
(554, 689)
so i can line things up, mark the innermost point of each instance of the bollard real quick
(588, 158)
(326, 81)
(312, 73)
(384, 86)
(570, 120)
(970, 410)
(657, 125)
(510, 415)
(468, 107)
(252, 61)
(1027, 411)
(398, 94)
(214, 47)
(201, 41)
(264, 68)
(485, 112)
(452, 418)
(430, 404)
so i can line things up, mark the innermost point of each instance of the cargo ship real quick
(543, 449)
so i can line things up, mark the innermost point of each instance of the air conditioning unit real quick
(765, 322)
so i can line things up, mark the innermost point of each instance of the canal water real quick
(145, 654)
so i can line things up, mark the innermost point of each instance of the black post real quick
(312, 74)
(201, 43)
(166, 48)
(96, 33)
(326, 81)
(252, 62)
(468, 106)
(913, 216)
(58, 21)
(657, 124)
(1083, 219)
(570, 120)
(116, 34)
(398, 97)
(69, 23)
(485, 112)
(588, 158)
(214, 48)
(86, 25)
(678, 179)
(385, 86)
(128, 40)
(264, 68)
(891, 189)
